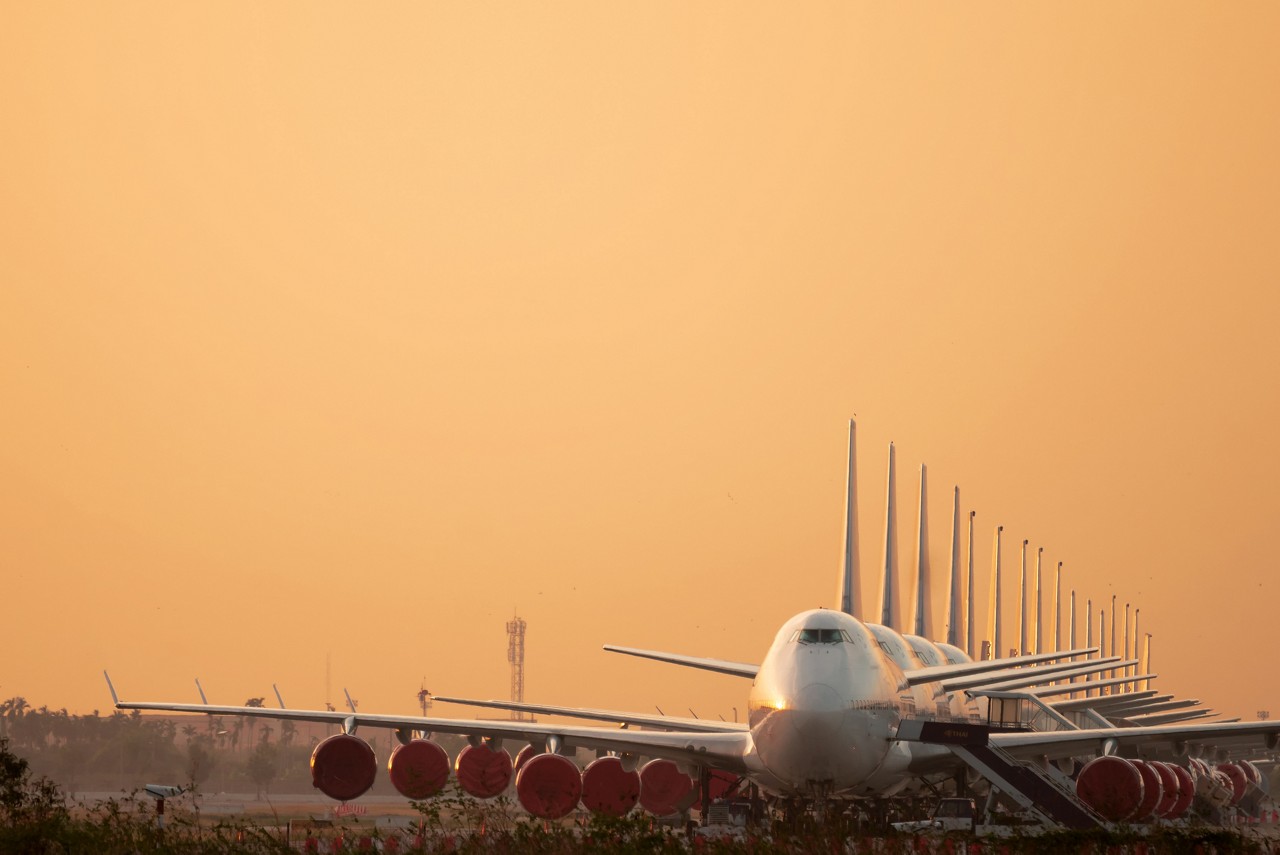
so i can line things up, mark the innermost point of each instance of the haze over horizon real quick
(345, 333)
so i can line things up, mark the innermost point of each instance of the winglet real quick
(115, 699)
(200, 689)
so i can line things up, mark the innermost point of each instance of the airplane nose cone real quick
(817, 712)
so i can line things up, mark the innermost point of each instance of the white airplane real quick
(826, 708)
(835, 710)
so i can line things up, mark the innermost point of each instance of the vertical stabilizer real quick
(1088, 633)
(1057, 609)
(1129, 672)
(968, 600)
(1038, 642)
(888, 582)
(1125, 670)
(1022, 606)
(849, 576)
(1112, 673)
(920, 621)
(1146, 663)
(1105, 651)
(1071, 624)
(955, 593)
(993, 612)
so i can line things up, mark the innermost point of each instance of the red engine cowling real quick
(1152, 791)
(549, 786)
(524, 755)
(419, 769)
(1186, 792)
(608, 788)
(1239, 782)
(664, 789)
(483, 772)
(1110, 785)
(1168, 788)
(1253, 773)
(343, 767)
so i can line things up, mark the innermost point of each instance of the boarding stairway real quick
(1034, 789)
(1044, 792)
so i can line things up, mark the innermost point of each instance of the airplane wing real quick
(915, 677)
(656, 722)
(717, 750)
(720, 666)
(1157, 742)
(937, 673)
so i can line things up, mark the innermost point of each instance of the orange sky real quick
(348, 330)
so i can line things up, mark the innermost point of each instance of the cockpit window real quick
(821, 636)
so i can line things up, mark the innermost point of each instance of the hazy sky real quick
(346, 331)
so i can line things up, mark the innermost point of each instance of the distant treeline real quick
(123, 752)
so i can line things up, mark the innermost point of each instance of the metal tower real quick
(515, 655)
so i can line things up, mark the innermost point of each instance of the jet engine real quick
(608, 788)
(1186, 792)
(1112, 786)
(1253, 773)
(343, 767)
(482, 771)
(664, 789)
(1152, 791)
(524, 755)
(419, 769)
(549, 786)
(1169, 788)
(1236, 776)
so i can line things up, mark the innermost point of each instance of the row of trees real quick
(123, 751)
(119, 751)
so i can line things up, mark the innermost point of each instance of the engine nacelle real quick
(483, 772)
(1110, 785)
(1186, 792)
(524, 755)
(608, 788)
(1168, 788)
(664, 789)
(1152, 791)
(549, 786)
(1238, 780)
(1256, 777)
(418, 769)
(343, 767)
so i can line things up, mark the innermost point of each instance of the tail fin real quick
(888, 582)
(955, 595)
(920, 621)
(849, 578)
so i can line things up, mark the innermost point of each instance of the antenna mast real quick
(515, 655)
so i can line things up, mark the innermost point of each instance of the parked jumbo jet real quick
(826, 705)
(834, 708)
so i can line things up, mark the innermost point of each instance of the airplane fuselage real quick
(825, 706)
